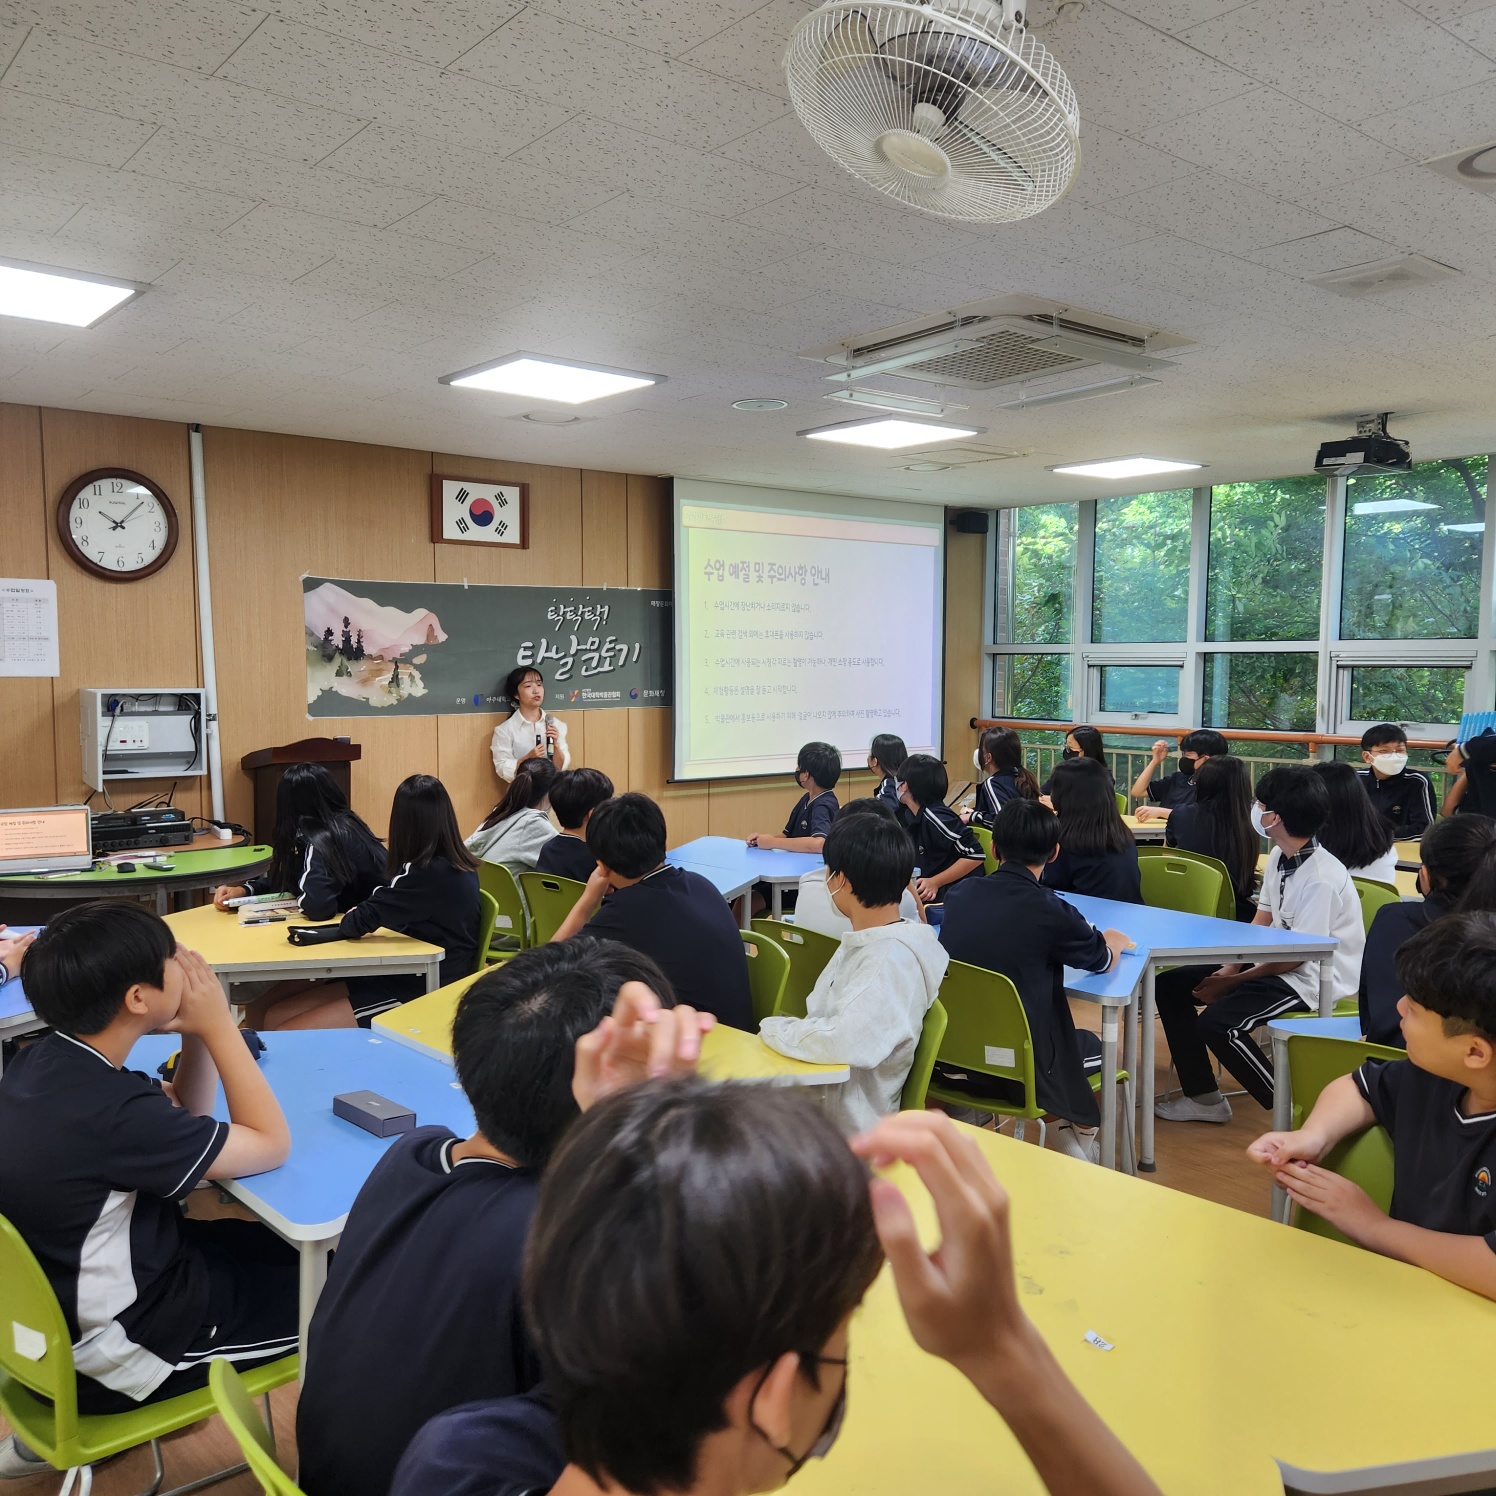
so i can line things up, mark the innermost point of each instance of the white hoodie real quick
(515, 841)
(866, 1010)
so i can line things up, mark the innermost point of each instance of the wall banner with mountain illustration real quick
(423, 649)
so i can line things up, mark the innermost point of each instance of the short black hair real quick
(1026, 832)
(515, 1034)
(869, 805)
(1204, 740)
(1297, 796)
(925, 777)
(822, 762)
(627, 835)
(84, 960)
(1383, 732)
(876, 857)
(686, 1235)
(1449, 967)
(515, 679)
(889, 751)
(575, 792)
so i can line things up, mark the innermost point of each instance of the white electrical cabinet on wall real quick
(136, 733)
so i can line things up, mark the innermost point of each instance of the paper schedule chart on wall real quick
(467, 511)
(28, 627)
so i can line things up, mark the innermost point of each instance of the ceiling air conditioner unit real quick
(1004, 340)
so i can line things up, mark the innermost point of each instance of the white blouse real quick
(516, 737)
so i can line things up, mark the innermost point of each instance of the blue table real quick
(16, 1016)
(1165, 937)
(306, 1201)
(729, 863)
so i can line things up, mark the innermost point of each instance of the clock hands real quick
(119, 524)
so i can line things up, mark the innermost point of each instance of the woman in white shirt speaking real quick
(531, 732)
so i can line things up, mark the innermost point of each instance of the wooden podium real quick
(266, 765)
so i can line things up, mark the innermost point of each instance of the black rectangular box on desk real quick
(374, 1113)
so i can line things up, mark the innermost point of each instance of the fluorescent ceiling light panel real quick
(44, 295)
(888, 434)
(1389, 506)
(1127, 467)
(536, 377)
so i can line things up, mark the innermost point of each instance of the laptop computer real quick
(46, 839)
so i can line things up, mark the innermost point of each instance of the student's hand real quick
(1213, 989)
(1160, 752)
(752, 841)
(1116, 943)
(12, 949)
(960, 1301)
(226, 891)
(767, 840)
(1275, 1149)
(204, 1005)
(1345, 1205)
(925, 890)
(1047, 801)
(638, 1041)
(1146, 812)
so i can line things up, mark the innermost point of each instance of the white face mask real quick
(1389, 763)
(976, 757)
(1257, 814)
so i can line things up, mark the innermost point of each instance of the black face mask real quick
(827, 1437)
(1187, 764)
(1069, 753)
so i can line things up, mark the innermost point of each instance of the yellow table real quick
(1145, 830)
(425, 1023)
(1409, 854)
(1237, 1343)
(261, 953)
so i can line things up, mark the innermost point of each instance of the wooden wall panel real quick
(26, 723)
(127, 633)
(965, 568)
(279, 507)
(605, 533)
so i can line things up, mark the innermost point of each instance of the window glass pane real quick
(1412, 553)
(1033, 592)
(1407, 693)
(1140, 688)
(1267, 543)
(1261, 692)
(1142, 568)
(1036, 685)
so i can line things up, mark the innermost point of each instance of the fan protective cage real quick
(945, 105)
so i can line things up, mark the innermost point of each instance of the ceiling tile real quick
(1478, 29)
(879, 229)
(636, 223)
(1445, 11)
(31, 123)
(548, 59)
(1438, 126)
(503, 233)
(1172, 16)
(1369, 41)
(190, 35)
(12, 34)
(434, 33)
(1113, 165)
(659, 25)
(786, 147)
(1218, 212)
(1318, 254)
(77, 72)
(30, 213)
(135, 255)
(752, 51)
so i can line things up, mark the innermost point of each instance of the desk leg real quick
(776, 900)
(313, 1276)
(163, 902)
(1282, 1116)
(1108, 1088)
(1326, 986)
(745, 911)
(1144, 1079)
(433, 975)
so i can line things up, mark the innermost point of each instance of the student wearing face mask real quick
(1169, 792)
(1080, 742)
(1397, 793)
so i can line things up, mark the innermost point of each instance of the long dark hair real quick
(1353, 831)
(423, 826)
(1223, 810)
(1460, 855)
(515, 679)
(1086, 803)
(531, 784)
(311, 810)
(1003, 749)
(1090, 745)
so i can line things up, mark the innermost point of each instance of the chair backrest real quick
(488, 914)
(511, 929)
(1314, 1060)
(987, 1030)
(1183, 884)
(768, 971)
(549, 900)
(989, 857)
(1373, 895)
(1122, 805)
(237, 1409)
(809, 952)
(1226, 906)
(35, 1347)
(912, 1098)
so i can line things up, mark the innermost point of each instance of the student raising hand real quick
(962, 1305)
(640, 1040)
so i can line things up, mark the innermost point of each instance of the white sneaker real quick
(1078, 1142)
(1187, 1109)
(17, 1462)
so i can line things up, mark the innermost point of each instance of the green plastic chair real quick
(916, 1087)
(809, 952)
(768, 972)
(488, 913)
(549, 900)
(1314, 1060)
(237, 1409)
(510, 931)
(39, 1389)
(1122, 805)
(1225, 903)
(989, 857)
(1373, 896)
(1184, 884)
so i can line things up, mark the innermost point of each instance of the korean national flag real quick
(483, 513)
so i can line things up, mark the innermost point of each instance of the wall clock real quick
(117, 524)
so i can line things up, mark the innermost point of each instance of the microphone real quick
(550, 743)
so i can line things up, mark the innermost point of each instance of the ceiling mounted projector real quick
(949, 106)
(1371, 451)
